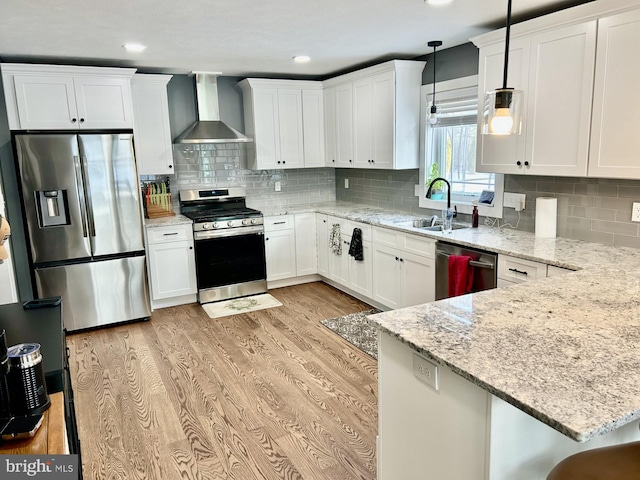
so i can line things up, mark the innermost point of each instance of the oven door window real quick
(230, 260)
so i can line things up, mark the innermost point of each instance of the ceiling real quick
(245, 37)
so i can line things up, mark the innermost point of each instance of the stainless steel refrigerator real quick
(82, 209)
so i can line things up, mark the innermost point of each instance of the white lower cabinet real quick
(171, 260)
(306, 249)
(280, 247)
(359, 271)
(355, 275)
(322, 232)
(403, 269)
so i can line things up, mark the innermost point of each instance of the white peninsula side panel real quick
(460, 431)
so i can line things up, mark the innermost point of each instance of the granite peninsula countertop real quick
(177, 219)
(564, 349)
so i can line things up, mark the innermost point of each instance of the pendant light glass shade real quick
(503, 112)
(503, 106)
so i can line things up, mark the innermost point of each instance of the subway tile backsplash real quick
(225, 164)
(590, 209)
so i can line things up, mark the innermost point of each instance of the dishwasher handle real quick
(473, 263)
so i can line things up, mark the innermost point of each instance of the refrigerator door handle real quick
(87, 193)
(81, 199)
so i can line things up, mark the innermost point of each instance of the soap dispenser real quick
(474, 217)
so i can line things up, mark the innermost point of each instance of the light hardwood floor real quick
(271, 394)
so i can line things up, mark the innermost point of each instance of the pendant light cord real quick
(434, 44)
(506, 48)
(433, 101)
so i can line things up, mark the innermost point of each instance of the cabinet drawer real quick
(419, 245)
(416, 244)
(172, 233)
(553, 271)
(278, 222)
(388, 237)
(347, 226)
(520, 270)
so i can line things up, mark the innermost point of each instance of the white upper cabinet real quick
(372, 116)
(579, 69)
(554, 69)
(330, 139)
(286, 120)
(54, 97)
(344, 125)
(615, 139)
(313, 127)
(151, 129)
(501, 153)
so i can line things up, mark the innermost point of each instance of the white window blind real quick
(458, 107)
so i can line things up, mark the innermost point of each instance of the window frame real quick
(463, 207)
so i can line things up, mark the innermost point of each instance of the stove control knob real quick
(214, 225)
(245, 221)
(253, 221)
(229, 223)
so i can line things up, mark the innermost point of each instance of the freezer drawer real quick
(97, 293)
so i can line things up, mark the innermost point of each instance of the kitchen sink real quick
(425, 224)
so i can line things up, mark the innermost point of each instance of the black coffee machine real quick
(23, 391)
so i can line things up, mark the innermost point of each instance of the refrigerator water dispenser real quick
(52, 210)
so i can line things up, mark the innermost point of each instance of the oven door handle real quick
(473, 263)
(232, 232)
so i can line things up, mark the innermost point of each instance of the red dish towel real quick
(460, 275)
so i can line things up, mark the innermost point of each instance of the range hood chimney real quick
(209, 128)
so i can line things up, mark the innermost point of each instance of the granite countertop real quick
(563, 349)
(177, 219)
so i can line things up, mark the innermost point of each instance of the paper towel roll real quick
(546, 217)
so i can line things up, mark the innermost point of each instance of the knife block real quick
(158, 205)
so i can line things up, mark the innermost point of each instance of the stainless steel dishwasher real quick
(484, 264)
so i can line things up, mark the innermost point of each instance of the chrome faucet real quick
(428, 195)
(433, 220)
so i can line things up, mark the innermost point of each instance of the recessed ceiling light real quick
(438, 2)
(133, 47)
(301, 58)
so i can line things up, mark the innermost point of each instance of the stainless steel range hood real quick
(209, 128)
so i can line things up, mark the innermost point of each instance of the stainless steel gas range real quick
(229, 243)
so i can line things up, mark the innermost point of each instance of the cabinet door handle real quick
(349, 160)
(74, 120)
(515, 270)
(82, 120)
(397, 259)
(266, 238)
(169, 234)
(519, 163)
(279, 223)
(402, 259)
(526, 164)
(170, 166)
(190, 248)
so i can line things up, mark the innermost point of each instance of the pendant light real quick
(433, 114)
(503, 107)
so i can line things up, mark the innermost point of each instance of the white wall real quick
(7, 276)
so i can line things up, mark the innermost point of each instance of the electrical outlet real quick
(346, 183)
(635, 212)
(278, 186)
(425, 371)
(416, 190)
(514, 200)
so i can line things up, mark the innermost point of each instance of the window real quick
(448, 150)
